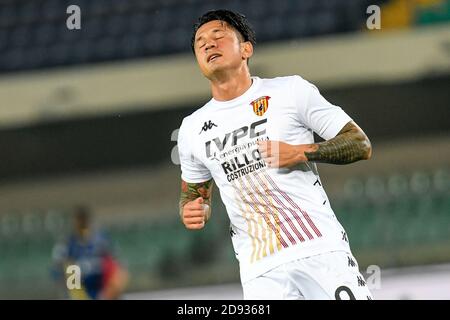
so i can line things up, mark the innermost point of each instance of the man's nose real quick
(210, 45)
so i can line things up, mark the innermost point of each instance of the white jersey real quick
(277, 215)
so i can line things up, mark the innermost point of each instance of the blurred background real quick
(88, 117)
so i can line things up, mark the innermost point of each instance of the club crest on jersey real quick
(260, 105)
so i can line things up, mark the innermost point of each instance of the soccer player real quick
(102, 277)
(254, 139)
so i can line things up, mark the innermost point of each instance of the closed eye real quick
(219, 34)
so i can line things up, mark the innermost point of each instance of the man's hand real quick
(195, 213)
(195, 203)
(279, 154)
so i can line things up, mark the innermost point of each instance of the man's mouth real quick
(213, 57)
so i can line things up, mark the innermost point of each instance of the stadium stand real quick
(33, 34)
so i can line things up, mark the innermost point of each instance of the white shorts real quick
(329, 276)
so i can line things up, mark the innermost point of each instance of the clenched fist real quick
(195, 213)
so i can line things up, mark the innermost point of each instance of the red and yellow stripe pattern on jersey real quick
(274, 220)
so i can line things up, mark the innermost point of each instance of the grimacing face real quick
(219, 47)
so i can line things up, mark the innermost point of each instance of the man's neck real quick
(229, 87)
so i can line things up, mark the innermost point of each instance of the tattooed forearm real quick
(191, 191)
(350, 145)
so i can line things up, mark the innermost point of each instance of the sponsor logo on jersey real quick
(231, 139)
(237, 151)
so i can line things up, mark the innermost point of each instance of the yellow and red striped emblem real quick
(260, 105)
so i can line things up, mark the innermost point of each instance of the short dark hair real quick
(236, 20)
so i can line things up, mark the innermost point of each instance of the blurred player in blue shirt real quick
(101, 276)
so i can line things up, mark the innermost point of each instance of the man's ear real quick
(247, 50)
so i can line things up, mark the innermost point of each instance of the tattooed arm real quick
(195, 203)
(350, 144)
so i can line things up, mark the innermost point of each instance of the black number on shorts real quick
(337, 294)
